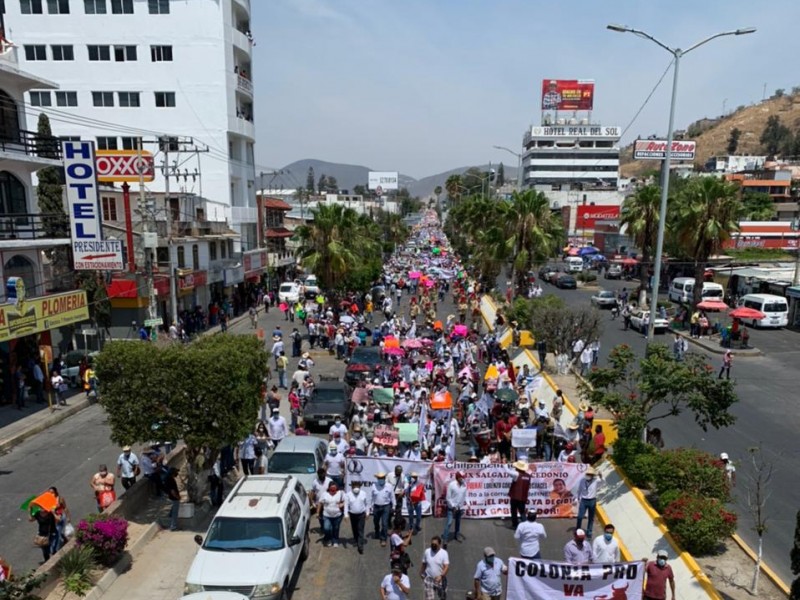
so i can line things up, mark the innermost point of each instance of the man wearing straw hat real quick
(587, 499)
(518, 492)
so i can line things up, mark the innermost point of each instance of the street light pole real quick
(519, 164)
(677, 54)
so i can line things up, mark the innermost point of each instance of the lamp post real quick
(519, 164)
(677, 54)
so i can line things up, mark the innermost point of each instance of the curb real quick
(716, 349)
(771, 575)
(53, 419)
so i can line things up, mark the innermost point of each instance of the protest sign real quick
(386, 436)
(523, 438)
(548, 580)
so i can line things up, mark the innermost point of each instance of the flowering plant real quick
(699, 524)
(106, 535)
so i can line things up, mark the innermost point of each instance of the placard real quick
(523, 438)
(548, 580)
(386, 436)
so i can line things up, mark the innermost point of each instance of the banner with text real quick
(657, 149)
(567, 94)
(362, 469)
(553, 490)
(547, 580)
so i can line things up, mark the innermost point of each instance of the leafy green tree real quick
(705, 214)
(640, 392)
(454, 187)
(22, 587)
(206, 393)
(49, 193)
(559, 325)
(639, 214)
(331, 185)
(360, 190)
(97, 297)
(322, 185)
(474, 181)
(501, 175)
(733, 140)
(774, 136)
(437, 191)
(310, 180)
(757, 206)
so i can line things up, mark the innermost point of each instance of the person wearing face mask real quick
(434, 568)
(415, 496)
(334, 465)
(382, 503)
(658, 573)
(103, 485)
(341, 445)
(488, 578)
(331, 506)
(606, 548)
(360, 440)
(276, 427)
(355, 509)
(338, 427)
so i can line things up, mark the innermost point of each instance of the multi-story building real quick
(176, 70)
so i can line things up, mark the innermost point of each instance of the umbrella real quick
(491, 373)
(573, 251)
(394, 351)
(414, 274)
(442, 401)
(588, 250)
(460, 330)
(712, 305)
(346, 319)
(390, 343)
(507, 395)
(598, 258)
(744, 313)
(412, 344)
(629, 262)
(427, 341)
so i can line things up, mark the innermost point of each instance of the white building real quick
(151, 68)
(734, 163)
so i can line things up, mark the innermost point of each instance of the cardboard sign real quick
(387, 436)
(523, 438)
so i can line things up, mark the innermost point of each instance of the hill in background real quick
(712, 134)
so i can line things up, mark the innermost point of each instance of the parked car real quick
(361, 364)
(255, 541)
(289, 292)
(329, 400)
(298, 455)
(552, 276)
(566, 282)
(640, 320)
(614, 272)
(604, 299)
(546, 272)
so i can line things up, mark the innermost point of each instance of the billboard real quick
(25, 315)
(90, 251)
(657, 149)
(124, 165)
(567, 94)
(588, 216)
(383, 180)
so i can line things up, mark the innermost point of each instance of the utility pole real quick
(152, 306)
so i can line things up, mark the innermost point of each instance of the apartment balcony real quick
(27, 150)
(282, 258)
(244, 85)
(241, 41)
(244, 4)
(28, 230)
(195, 229)
(242, 126)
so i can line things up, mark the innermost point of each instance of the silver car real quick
(298, 455)
(604, 299)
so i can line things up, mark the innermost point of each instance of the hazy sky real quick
(421, 86)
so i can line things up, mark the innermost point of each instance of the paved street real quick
(766, 414)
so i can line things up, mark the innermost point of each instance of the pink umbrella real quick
(414, 274)
(412, 344)
(394, 351)
(573, 251)
(429, 283)
(427, 342)
(712, 305)
(460, 330)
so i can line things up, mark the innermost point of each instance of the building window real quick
(109, 208)
(212, 250)
(41, 99)
(95, 7)
(161, 53)
(69, 138)
(103, 98)
(35, 52)
(165, 99)
(99, 52)
(30, 7)
(124, 53)
(66, 98)
(129, 99)
(122, 7)
(9, 117)
(58, 7)
(223, 246)
(106, 143)
(181, 257)
(63, 53)
(129, 143)
(12, 195)
(195, 257)
(158, 7)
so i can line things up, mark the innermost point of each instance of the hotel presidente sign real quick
(23, 316)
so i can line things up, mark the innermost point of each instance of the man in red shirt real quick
(658, 573)
(518, 492)
(502, 431)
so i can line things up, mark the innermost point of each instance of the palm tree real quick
(453, 185)
(705, 214)
(639, 214)
(438, 192)
(532, 232)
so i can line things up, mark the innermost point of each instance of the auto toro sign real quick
(90, 251)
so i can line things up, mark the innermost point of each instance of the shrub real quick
(637, 460)
(106, 535)
(587, 276)
(699, 524)
(76, 567)
(692, 471)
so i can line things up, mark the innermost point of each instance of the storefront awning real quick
(279, 232)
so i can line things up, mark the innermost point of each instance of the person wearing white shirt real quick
(606, 548)
(331, 507)
(339, 427)
(577, 348)
(529, 534)
(396, 585)
(334, 464)
(381, 503)
(456, 498)
(586, 360)
(341, 445)
(413, 453)
(355, 509)
(276, 427)
(434, 568)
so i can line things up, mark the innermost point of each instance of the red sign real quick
(124, 165)
(657, 149)
(567, 94)
(758, 241)
(386, 436)
(588, 216)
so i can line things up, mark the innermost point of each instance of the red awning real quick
(122, 288)
(279, 232)
(276, 203)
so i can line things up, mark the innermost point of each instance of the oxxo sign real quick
(90, 251)
(124, 165)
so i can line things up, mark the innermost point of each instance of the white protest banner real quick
(362, 469)
(553, 490)
(523, 438)
(547, 580)
(386, 436)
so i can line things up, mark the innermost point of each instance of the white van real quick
(775, 309)
(681, 290)
(574, 264)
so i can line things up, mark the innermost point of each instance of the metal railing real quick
(29, 226)
(31, 144)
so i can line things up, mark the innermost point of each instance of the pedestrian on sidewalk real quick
(281, 364)
(578, 551)
(488, 576)
(47, 533)
(355, 509)
(127, 467)
(586, 360)
(277, 427)
(658, 573)
(518, 492)
(174, 495)
(253, 312)
(727, 360)
(541, 349)
(297, 342)
(529, 534)
(247, 454)
(587, 499)
(102, 483)
(606, 549)
(19, 378)
(59, 387)
(38, 380)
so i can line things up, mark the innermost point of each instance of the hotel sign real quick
(576, 131)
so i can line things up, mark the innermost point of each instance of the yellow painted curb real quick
(687, 558)
(552, 383)
(771, 575)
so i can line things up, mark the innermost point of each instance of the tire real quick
(306, 548)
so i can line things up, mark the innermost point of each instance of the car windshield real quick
(292, 462)
(244, 535)
(327, 397)
(712, 293)
(287, 287)
(606, 294)
(366, 357)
